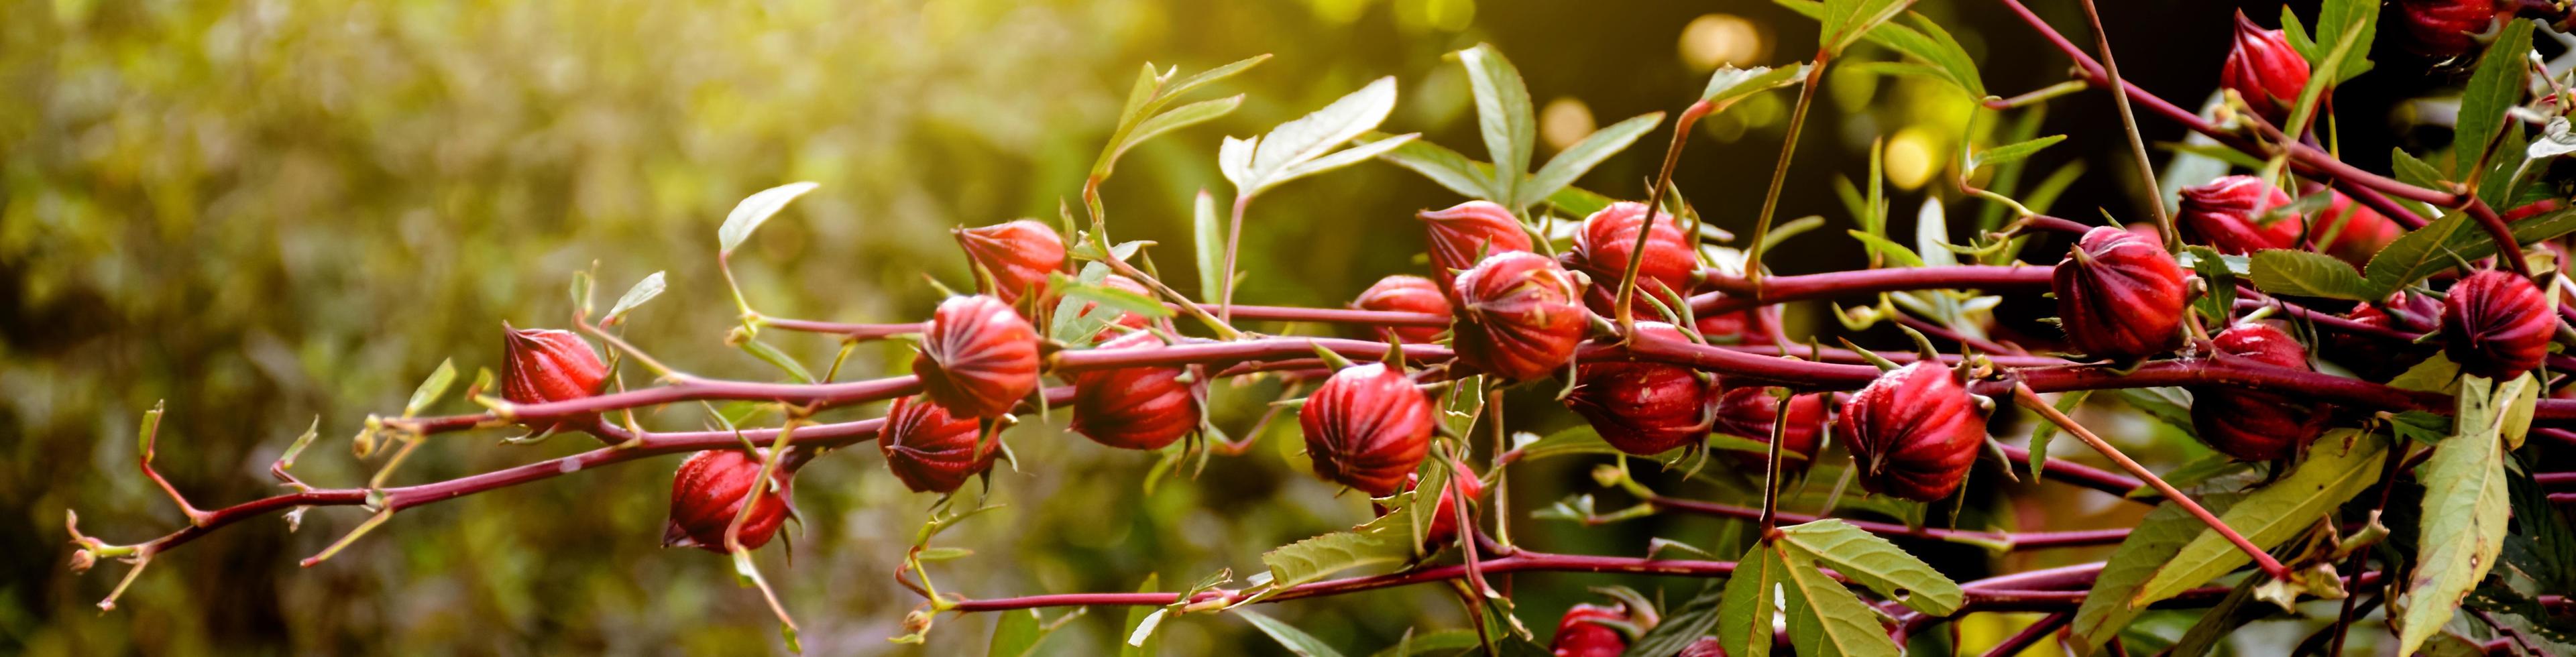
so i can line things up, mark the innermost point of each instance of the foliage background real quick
(265, 212)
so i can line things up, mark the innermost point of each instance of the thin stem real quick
(2129, 121)
(2030, 399)
(1780, 170)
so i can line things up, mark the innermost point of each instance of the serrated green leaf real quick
(1295, 640)
(1729, 84)
(1827, 620)
(1504, 116)
(431, 388)
(1384, 540)
(2012, 152)
(1744, 611)
(1876, 563)
(2156, 539)
(643, 291)
(2465, 514)
(1575, 160)
(2496, 86)
(754, 210)
(2308, 274)
(2273, 514)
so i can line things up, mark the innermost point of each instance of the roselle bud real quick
(1135, 407)
(2353, 232)
(1645, 408)
(1750, 326)
(930, 450)
(549, 365)
(1516, 316)
(1914, 431)
(1602, 249)
(2256, 426)
(1366, 428)
(978, 358)
(1410, 294)
(2496, 324)
(2444, 28)
(1749, 412)
(2118, 296)
(1443, 525)
(1578, 636)
(1124, 318)
(708, 493)
(2265, 70)
(1466, 233)
(2228, 214)
(1019, 254)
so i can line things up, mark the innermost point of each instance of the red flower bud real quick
(2118, 296)
(1914, 431)
(1018, 253)
(1410, 294)
(1749, 326)
(1135, 407)
(708, 493)
(1124, 318)
(2256, 426)
(549, 365)
(2496, 324)
(1749, 412)
(1467, 232)
(978, 357)
(2444, 28)
(930, 450)
(1645, 408)
(2264, 70)
(1517, 318)
(1602, 250)
(2228, 215)
(2357, 232)
(1366, 428)
(1578, 636)
(1443, 526)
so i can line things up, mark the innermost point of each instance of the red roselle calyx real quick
(1645, 408)
(1914, 431)
(2265, 70)
(2353, 232)
(1468, 232)
(2228, 214)
(1750, 411)
(1516, 316)
(1367, 427)
(1578, 636)
(2119, 297)
(2496, 324)
(1603, 248)
(1135, 407)
(930, 450)
(2444, 28)
(707, 494)
(1443, 526)
(978, 358)
(1411, 294)
(2256, 426)
(1018, 254)
(549, 365)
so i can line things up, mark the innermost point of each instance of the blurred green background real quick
(265, 212)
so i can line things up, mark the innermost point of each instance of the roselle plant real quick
(2384, 399)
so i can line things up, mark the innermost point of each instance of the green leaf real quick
(643, 291)
(2012, 152)
(1744, 612)
(2309, 274)
(748, 215)
(2273, 514)
(1876, 563)
(1015, 634)
(2040, 435)
(1682, 625)
(2495, 87)
(1295, 640)
(1827, 620)
(1575, 160)
(429, 391)
(2156, 539)
(1503, 114)
(1138, 639)
(1384, 540)
(2464, 516)
(1180, 117)
(1261, 162)
(1208, 230)
(1729, 84)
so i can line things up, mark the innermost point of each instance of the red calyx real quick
(2358, 231)
(1578, 636)
(1019, 254)
(1914, 431)
(2265, 70)
(1443, 526)
(2444, 29)
(1411, 294)
(2119, 297)
(2496, 324)
(1135, 407)
(707, 494)
(1749, 412)
(1517, 318)
(1366, 428)
(2256, 426)
(549, 365)
(1749, 326)
(2228, 214)
(930, 450)
(1645, 408)
(1468, 232)
(1603, 247)
(978, 358)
